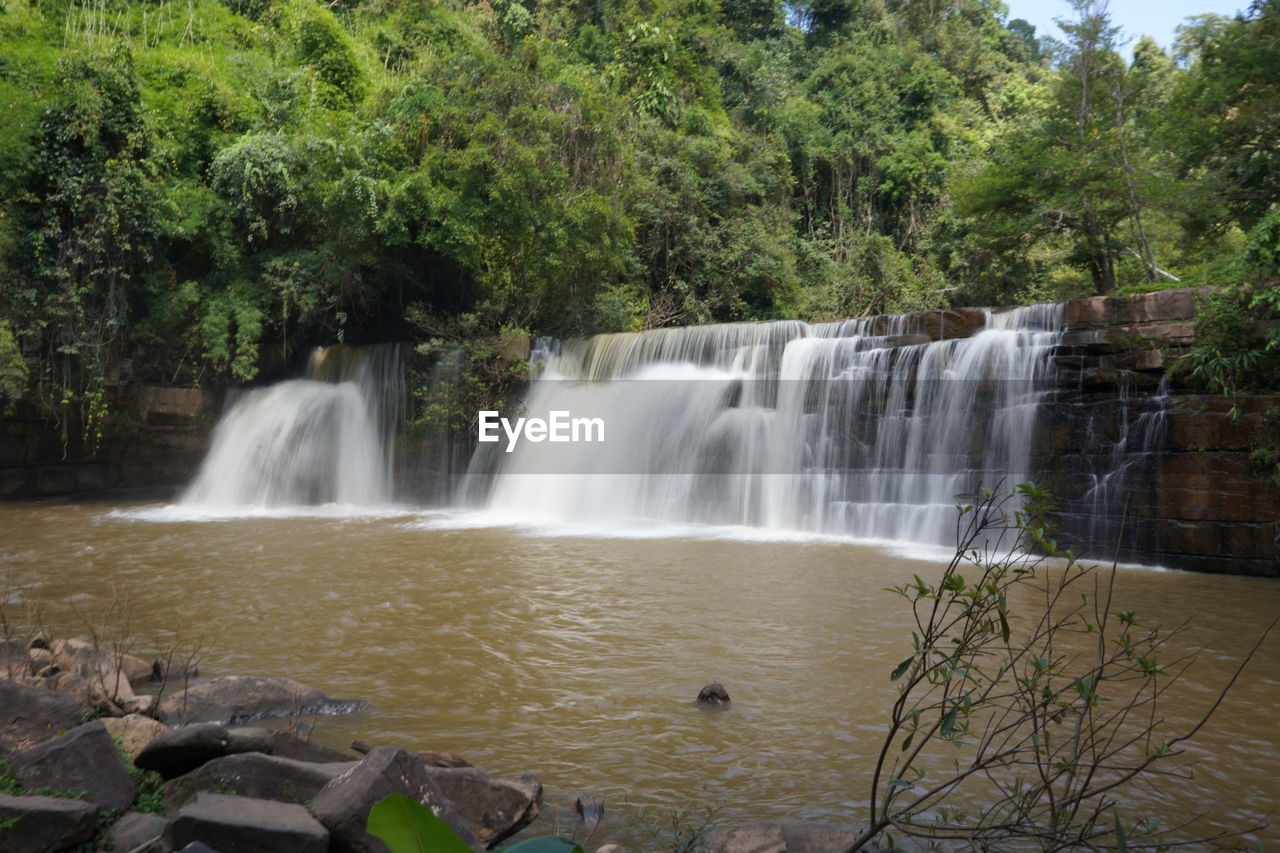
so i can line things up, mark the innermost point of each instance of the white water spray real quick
(323, 439)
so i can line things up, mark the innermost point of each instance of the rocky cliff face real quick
(1180, 473)
(152, 443)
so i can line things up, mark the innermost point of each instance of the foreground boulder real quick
(29, 715)
(343, 805)
(253, 774)
(40, 824)
(493, 809)
(84, 759)
(180, 751)
(246, 825)
(244, 698)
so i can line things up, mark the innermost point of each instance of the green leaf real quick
(1122, 841)
(406, 826)
(542, 844)
(900, 669)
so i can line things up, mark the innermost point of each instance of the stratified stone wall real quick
(152, 443)
(1195, 499)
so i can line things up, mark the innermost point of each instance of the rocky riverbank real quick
(103, 750)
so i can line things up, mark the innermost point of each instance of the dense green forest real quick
(192, 189)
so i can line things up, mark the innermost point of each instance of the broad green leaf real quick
(407, 826)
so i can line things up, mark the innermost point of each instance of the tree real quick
(1050, 718)
(1079, 170)
(1228, 109)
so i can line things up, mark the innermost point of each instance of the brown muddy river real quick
(578, 657)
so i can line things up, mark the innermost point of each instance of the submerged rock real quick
(713, 694)
(245, 698)
(590, 809)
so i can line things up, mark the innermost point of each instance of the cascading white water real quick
(824, 428)
(323, 439)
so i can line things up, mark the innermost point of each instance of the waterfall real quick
(327, 438)
(863, 428)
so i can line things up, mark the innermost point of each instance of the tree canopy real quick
(196, 192)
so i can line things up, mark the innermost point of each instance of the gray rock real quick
(789, 837)
(45, 823)
(68, 684)
(713, 694)
(39, 659)
(493, 809)
(253, 774)
(109, 673)
(134, 732)
(87, 660)
(591, 809)
(194, 847)
(174, 672)
(343, 805)
(135, 829)
(748, 838)
(816, 838)
(432, 758)
(246, 825)
(179, 751)
(611, 848)
(29, 715)
(13, 658)
(286, 745)
(244, 698)
(84, 759)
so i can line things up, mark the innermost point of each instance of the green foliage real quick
(189, 194)
(407, 826)
(684, 830)
(13, 367)
(1237, 348)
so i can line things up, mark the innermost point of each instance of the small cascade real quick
(864, 427)
(327, 438)
(1115, 473)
